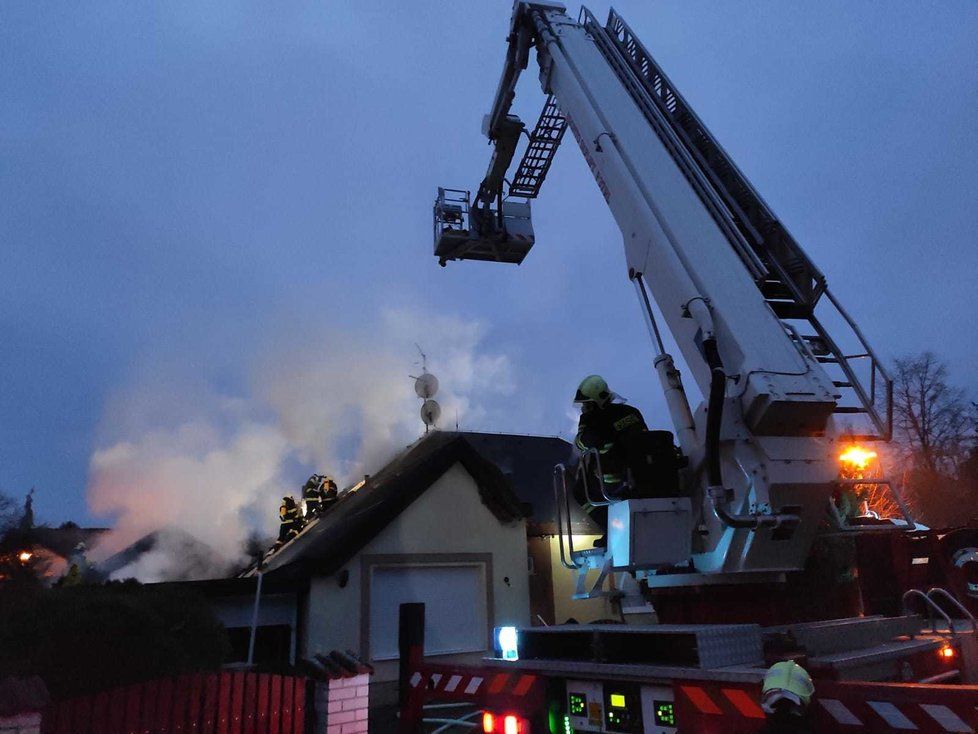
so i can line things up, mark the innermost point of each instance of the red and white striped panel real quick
(844, 708)
(473, 683)
(895, 707)
(717, 708)
(869, 715)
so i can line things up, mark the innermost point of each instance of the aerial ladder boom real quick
(732, 286)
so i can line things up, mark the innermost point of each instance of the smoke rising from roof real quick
(216, 466)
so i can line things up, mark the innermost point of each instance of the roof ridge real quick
(347, 527)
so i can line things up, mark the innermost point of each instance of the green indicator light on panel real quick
(578, 704)
(665, 713)
(567, 725)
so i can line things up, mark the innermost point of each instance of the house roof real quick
(330, 541)
(528, 462)
(189, 558)
(63, 540)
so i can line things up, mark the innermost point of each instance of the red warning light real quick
(511, 725)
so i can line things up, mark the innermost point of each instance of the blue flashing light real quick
(508, 639)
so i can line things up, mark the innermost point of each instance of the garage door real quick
(456, 607)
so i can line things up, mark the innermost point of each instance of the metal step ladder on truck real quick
(749, 561)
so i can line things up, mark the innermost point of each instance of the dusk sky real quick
(215, 222)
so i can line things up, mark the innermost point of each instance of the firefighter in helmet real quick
(605, 426)
(319, 492)
(290, 520)
(312, 495)
(785, 697)
(328, 492)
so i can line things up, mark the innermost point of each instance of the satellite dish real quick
(426, 386)
(430, 412)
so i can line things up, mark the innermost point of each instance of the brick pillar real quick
(346, 706)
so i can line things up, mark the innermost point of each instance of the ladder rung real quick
(849, 409)
(790, 310)
(775, 289)
(817, 344)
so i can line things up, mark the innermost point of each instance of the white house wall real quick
(564, 581)
(449, 518)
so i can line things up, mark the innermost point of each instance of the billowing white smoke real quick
(342, 391)
(333, 402)
(197, 477)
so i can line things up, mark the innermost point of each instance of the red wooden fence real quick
(200, 703)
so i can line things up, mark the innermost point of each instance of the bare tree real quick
(932, 417)
(935, 433)
(8, 513)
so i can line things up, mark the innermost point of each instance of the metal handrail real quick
(931, 605)
(582, 470)
(837, 518)
(561, 503)
(904, 510)
(803, 345)
(885, 424)
(958, 605)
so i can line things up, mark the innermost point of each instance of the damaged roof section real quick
(329, 542)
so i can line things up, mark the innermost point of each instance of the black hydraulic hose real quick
(714, 417)
(714, 414)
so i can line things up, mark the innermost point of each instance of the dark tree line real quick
(92, 636)
(936, 442)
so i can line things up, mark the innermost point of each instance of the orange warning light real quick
(24, 556)
(857, 457)
(947, 652)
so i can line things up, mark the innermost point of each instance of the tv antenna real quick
(425, 387)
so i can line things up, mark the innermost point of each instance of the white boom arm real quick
(731, 285)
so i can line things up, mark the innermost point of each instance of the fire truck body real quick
(785, 394)
(872, 674)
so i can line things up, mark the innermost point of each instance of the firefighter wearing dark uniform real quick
(312, 495)
(329, 493)
(607, 427)
(319, 493)
(290, 521)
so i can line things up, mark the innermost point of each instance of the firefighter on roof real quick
(319, 492)
(290, 521)
(330, 493)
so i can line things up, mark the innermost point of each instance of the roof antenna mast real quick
(425, 387)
